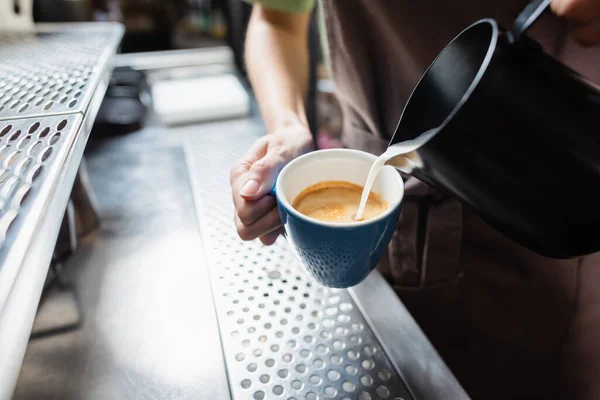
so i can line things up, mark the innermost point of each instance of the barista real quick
(509, 323)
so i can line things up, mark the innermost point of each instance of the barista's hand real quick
(585, 17)
(252, 178)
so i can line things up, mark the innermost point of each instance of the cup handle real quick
(527, 17)
(273, 191)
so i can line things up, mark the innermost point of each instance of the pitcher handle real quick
(527, 17)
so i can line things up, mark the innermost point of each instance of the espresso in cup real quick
(338, 202)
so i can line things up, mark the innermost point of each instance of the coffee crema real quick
(337, 201)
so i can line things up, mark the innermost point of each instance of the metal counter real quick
(284, 335)
(51, 85)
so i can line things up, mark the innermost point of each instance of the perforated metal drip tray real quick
(283, 335)
(54, 70)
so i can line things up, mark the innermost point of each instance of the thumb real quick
(261, 177)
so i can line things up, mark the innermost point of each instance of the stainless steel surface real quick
(54, 70)
(30, 238)
(40, 152)
(176, 58)
(417, 361)
(33, 154)
(150, 329)
(282, 334)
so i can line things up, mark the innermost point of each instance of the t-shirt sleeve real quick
(293, 6)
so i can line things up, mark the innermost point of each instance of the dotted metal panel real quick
(52, 73)
(26, 149)
(284, 336)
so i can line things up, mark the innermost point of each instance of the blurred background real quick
(164, 25)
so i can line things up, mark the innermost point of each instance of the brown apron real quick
(509, 323)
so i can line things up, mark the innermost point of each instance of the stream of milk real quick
(403, 150)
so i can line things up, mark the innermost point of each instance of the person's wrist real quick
(287, 120)
(295, 131)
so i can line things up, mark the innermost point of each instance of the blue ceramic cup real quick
(337, 255)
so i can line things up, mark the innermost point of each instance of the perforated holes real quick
(336, 359)
(301, 368)
(240, 357)
(321, 349)
(287, 357)
(278, 390)
(343, 318)
(246, 383)
(333, 375)
(368, 364)
(366, 380)
(370, 350)
(270, 363)
(21, 195)
(35, 149)
(44, 132)
(64, 100)
(282, 373)
(311, 396)
(61, 125)
(252, 367)
(341, 331)
(73, 103)
(34, 127)
(330, 392)
(353, 354)
(315, 380)
(309, 339)
(23, 144)
(265, 378)
(260, 395)
(357, 327)
(4, 175)
(348, 386)
(351, 369)
(257, 352)
(48, 105)
(23, 108)
(15, 135)
(382, 392)
(338, 345)
(297, 385)
(384, 375)
(328, 323)
(354, 340)
(304, 353)
(331, 311)
(12, 158)
(35, 173)
(364, 396)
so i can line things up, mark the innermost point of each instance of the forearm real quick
(277, 60)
